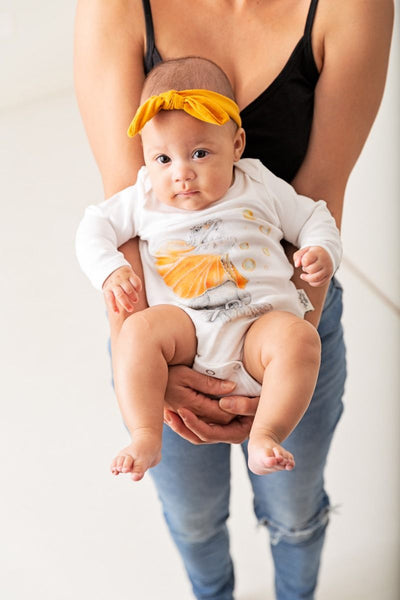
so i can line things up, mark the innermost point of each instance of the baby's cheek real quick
(221, 182)
(162, 193)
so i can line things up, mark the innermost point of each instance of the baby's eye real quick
(163, 159)
(200, 153)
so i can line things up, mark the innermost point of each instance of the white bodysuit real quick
(223, 265)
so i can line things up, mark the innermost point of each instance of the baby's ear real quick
(239, 142)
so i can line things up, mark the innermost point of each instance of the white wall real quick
(36, 48)
(372, 208)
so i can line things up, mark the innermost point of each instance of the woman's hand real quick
(195, 416)
(189, 389)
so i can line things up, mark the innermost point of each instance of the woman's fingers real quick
(209, 410)
(234, 433)
(186, 389)
(206, 384)
(202, 406)
(175, 422)
(239, 405)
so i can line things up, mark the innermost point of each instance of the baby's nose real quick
(183, 172)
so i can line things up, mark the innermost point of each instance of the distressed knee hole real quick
(298, 535)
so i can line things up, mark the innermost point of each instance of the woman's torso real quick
(269, 60)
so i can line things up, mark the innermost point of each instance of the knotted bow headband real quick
(205, 105)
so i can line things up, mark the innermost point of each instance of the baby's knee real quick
(143, 326)
(164, 328)
(147, 321)
(138, 323)
(304, 339)
(307, 335)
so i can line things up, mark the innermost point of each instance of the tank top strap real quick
(310, 19)
(152, 56)
(309, 65)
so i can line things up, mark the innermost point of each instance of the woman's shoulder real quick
(348, 18)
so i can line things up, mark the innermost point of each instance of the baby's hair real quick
(190, 72)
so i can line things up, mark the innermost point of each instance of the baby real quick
(216, 276)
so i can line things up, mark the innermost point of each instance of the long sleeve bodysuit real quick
(223, 265)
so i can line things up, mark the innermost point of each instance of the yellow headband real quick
(205, 105)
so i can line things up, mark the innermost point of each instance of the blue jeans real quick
(193, 484)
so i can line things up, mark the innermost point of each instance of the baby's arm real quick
(103, 229)
(122, 288)
(308, 225)
(316, 263)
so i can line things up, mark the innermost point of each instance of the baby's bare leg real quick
(148, 342)
(282, 352)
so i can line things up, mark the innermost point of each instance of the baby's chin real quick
(190, 201)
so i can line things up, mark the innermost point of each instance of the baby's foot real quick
(266, 456)
(143, 453)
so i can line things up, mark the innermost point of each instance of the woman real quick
(308, 77)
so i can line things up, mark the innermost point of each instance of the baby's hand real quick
(316, 263)
(121, 289)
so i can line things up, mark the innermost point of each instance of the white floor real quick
(69, 530)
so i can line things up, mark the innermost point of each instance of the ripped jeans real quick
(193, 484)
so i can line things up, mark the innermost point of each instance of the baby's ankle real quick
(146, 433)
(262, 434)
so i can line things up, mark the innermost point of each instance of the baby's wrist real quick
(118, 274)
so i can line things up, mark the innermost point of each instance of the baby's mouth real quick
(186, 192)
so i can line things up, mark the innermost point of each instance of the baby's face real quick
(190, 162)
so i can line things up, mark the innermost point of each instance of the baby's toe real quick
(139, 469)
(114, 466)
(280, 452)
(285, 458)
(290, 464)
(127, 464)
(120, 462)
(270, 459)
(117, 464)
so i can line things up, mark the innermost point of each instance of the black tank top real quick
(278, 122)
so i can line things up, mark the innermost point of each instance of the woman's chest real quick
(251, 41)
